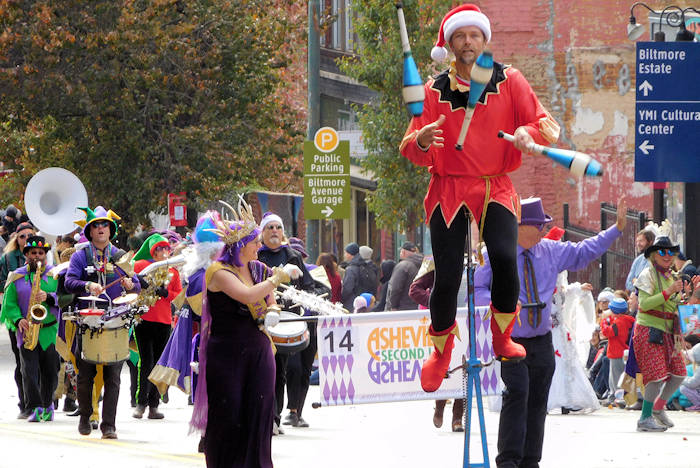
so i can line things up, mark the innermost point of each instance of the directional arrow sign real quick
(667, 112)
(327, 211)
(645, 87)
(645, 147)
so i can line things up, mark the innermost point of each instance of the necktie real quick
(533, 296)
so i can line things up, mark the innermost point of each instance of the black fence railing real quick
(612, 268)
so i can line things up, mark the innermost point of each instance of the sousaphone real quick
(51, 199)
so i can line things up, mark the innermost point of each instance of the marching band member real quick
(154, 330)
(178, 363)
(173, 367)
(474, 181)
(12, 259)
(89, 271)
(234, 403)
(40, 360)
(276, 251)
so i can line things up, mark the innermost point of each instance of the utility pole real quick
(314, 111)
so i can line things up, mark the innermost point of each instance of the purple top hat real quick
(532, 213)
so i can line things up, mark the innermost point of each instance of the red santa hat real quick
(463, 15)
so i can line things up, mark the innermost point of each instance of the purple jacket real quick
(548, 259)
(77, 276)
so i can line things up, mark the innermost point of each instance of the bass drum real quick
(106, 346)
(289, 337)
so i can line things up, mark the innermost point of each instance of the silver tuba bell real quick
(51, 198)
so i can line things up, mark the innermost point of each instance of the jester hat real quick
(150, 245)
(99, 214)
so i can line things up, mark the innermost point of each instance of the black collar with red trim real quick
(458, 99)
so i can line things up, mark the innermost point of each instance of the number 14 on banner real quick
(336, 340)
(331, 345)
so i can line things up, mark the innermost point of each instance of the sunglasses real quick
(162, 247)
(100, 224)
(668, 252)
(23, 236)
(543, 227)
(273, 226)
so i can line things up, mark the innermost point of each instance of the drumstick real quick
(578, 163)
(480, 76)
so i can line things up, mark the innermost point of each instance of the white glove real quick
(272, 318)
(292, 270)
(195, 367)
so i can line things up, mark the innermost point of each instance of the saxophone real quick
(36, 312)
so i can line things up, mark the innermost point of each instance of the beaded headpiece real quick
(242, 224)
(34, 242)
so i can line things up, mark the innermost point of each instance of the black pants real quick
(527, 382)
(280, 381)
(299, 371)
(18, 370)
(134, 380)
(501, 238)
(151, 338)
(39, 375)
(86, 380)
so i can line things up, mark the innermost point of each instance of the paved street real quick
(368, 436)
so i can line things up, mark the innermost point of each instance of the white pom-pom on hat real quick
(463, 15)
(439, 54)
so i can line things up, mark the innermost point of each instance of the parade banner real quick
(377, 357)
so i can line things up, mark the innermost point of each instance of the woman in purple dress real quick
(234, 403)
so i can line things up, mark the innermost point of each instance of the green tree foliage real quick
(401, 186)
(140, 98)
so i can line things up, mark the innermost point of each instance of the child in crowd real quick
(616, 328)
(363, 303)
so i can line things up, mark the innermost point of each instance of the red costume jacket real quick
(478, 174)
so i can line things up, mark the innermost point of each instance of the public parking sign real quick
(326, 176)
(667, 114)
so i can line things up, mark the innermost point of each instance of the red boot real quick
(504, 348)
(436, 366)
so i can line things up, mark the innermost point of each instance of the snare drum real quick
(106, 346)
(92, 318)
(289, 337)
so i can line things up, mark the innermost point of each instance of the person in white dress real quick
(573, 321)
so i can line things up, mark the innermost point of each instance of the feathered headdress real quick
(242, 224)
(663, 230)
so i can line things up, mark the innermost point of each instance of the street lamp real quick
(683, 34)
(634, 29)
(674, 18)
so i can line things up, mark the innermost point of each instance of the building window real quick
(347, 119)
(338, 35)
